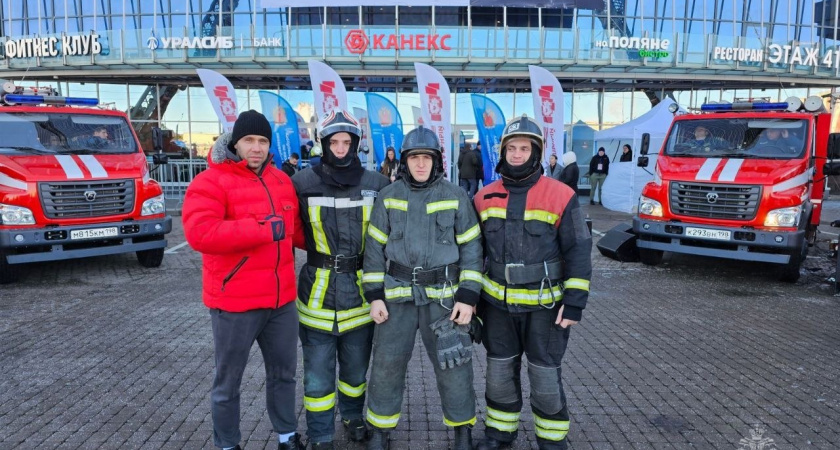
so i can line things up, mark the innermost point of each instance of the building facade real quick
(614, 58)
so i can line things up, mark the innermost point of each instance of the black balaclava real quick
(525, 171)
(340, 172)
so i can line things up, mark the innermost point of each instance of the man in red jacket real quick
(242, 215)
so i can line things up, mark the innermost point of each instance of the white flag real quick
(548, 109)
(328, 88)
(436, 109)
(222, 96)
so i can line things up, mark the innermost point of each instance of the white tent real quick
(625, 181)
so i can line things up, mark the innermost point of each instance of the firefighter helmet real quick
(339, 121)
(417, 141)
(522, 127)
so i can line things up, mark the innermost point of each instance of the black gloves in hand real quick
(454, 346)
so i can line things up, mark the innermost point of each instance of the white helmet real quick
(315, 151)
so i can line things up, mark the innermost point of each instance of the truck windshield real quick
(738, 138)
(47, 133)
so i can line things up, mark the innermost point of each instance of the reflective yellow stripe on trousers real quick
(319, 404)
(382, 421)
(502, 421)
(552, 430)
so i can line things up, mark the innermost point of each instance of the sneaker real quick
(356, 429)
(293, 444)
(328, 445)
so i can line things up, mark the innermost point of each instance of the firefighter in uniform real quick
(536, 284)
(426, 230)
(336, 198)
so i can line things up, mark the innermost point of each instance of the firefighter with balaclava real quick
(423, 264)
(336, 198)
(536, 284)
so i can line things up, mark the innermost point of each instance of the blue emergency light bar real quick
(743, 106)
(49, 100)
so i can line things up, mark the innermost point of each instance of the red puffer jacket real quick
(224, 219)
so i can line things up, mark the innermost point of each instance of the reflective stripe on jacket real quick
(540, 224)
(335, 222)
(427, 228)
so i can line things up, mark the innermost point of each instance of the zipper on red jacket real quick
(233, 271)
(273, 213)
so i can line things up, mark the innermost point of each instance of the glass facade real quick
(139, 56)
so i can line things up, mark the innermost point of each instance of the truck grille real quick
(715, 201)
(74, 199)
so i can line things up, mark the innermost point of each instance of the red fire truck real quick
(741, 181)
(74, 182)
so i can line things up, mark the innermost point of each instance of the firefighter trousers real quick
(320, 352)
(393, 342)
(507, 336)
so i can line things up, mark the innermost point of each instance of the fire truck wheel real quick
(150, 258)
(8, 273)
(789, 273)
(650, 257)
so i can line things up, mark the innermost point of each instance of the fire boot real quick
(379, 440)
(463, 438)
(491, 444)
(356, 429)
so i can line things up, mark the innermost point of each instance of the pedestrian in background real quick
(570, 173)
(390, 166)
(424, 231)
(626, 154)
(599, 168)
(241, 214)
(289, 166)
(335, 198)
(553, 170)
(469, 170)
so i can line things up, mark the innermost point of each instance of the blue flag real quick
(284, 125)
(490, 122)
(386, 128)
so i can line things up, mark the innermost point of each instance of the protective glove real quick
(454, 347)
(278, 227)
(475, 329)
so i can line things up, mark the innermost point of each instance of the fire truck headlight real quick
(649, 207)
(154, 205)
(15, 215)
(783, 217)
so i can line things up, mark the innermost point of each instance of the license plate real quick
(94, 233)
(705, 233)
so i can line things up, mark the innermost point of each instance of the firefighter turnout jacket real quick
(427, 235)
(537, 247)
(335, 225)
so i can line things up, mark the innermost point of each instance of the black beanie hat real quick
(250, 122)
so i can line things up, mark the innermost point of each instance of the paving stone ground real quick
(101, 353)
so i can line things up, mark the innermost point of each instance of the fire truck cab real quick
(74, 182)
(741, 181)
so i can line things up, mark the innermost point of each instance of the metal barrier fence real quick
(175, 176)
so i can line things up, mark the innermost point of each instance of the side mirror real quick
(833, 146)
(645, 146)
(160, 158)
(832, 168)
(157, 139)
(642, 161)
